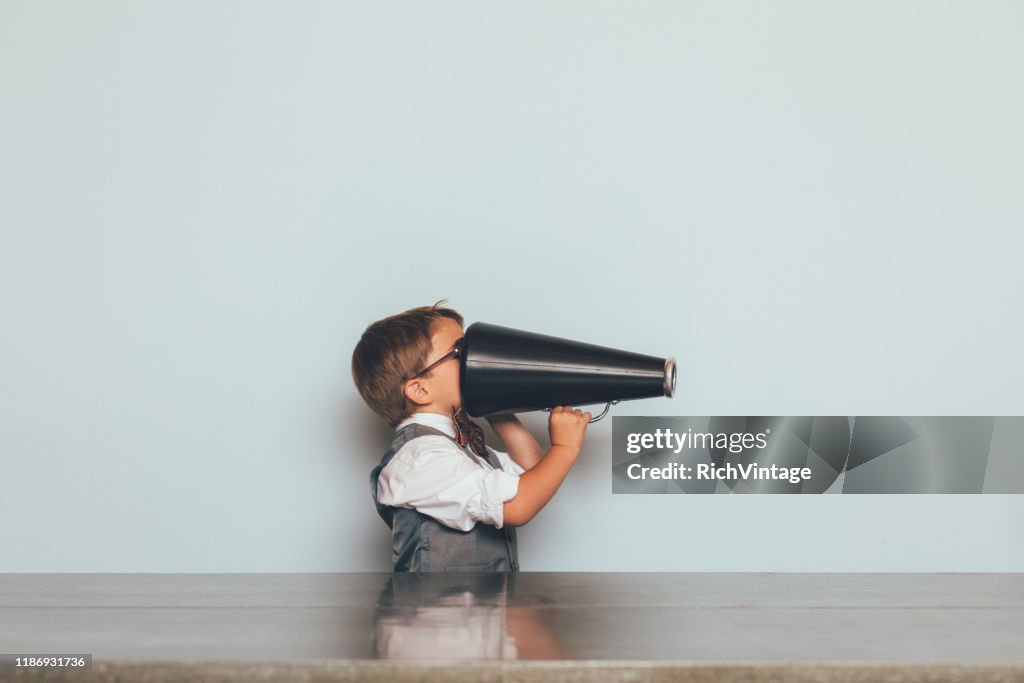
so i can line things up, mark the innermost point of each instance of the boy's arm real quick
(538, 484)
(519, 443)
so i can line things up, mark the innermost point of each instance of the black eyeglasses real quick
(456, 352)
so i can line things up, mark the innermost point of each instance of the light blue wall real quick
(816, 207)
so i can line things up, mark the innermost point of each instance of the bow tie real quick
(469, 432)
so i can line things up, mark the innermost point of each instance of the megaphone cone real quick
(504, 370)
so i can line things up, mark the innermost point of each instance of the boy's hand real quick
(567, 426)
(536, 485)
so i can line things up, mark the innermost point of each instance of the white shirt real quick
(434, 476)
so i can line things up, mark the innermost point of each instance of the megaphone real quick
(504, 370)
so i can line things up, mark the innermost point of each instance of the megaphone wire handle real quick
(604, 412)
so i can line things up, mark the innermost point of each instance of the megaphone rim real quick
(670, 377)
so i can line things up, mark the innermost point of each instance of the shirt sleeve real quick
(507, 463)
(432, 475)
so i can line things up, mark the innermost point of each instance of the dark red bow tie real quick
(468, 432)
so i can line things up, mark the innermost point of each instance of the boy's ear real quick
(417, 392)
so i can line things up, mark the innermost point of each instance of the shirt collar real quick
(440, 422)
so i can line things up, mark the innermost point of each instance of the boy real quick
(451, 501)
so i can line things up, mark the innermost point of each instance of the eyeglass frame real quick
(456, 352)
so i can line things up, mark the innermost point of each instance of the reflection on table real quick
(460, 615)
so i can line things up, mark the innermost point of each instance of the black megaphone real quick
(504, 370)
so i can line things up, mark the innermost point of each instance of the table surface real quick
(655, 617)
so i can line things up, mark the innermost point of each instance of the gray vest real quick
(422, 544)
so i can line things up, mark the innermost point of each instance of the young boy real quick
(451, 501)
